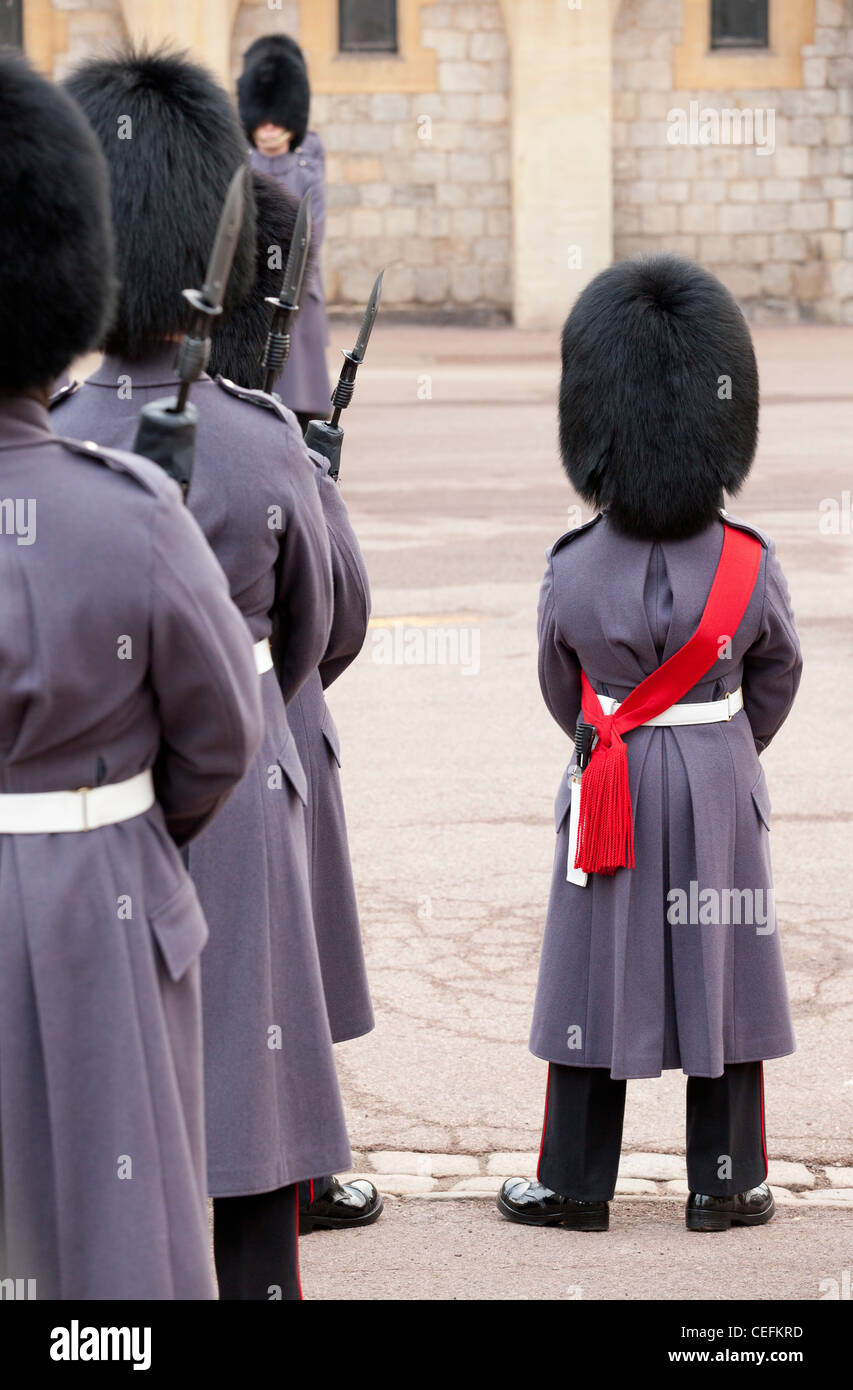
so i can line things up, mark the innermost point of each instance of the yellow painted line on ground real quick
(427, 619)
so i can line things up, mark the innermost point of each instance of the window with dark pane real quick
(740, 23)
(368, 26)
(11, 23)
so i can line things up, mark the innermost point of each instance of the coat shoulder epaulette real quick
(270, 403)
(258, 398)
(148, 474)
(320, 462)
(576, 531)
(62, 394)
(745, 526)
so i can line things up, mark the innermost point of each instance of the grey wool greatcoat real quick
(274, 1112)
(120, 650)
(304, 384)
(332, 887)
(662, 966)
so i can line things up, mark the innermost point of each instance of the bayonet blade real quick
(227, 236)
(297, 260)
(369, 319)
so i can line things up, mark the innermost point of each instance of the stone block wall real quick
(776, 227)
(86, 26)
(420, 176)
(418, 182)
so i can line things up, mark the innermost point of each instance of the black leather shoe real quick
(750, 1208)
(533, 1204)
(340, 1205)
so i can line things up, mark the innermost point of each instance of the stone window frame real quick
(17, 9)
(411, 69)
(725, 40)
(391, 12)
(698, 67)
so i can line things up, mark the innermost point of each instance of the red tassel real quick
(606, 824)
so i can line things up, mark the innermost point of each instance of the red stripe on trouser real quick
(763, 1131)
(545, 1120)
(296, 1253)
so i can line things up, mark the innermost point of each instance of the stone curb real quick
(642, 1177)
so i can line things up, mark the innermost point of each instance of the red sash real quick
(606, 825)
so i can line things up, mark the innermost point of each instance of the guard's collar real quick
(157, 368)
(23, 421)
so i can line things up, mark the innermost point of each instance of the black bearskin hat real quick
(273, 86)
(56, 281)
(238, 345)
(659, 396)
(173, 143)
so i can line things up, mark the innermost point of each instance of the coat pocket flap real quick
(761, 798)
(330, 734)
(180, 929)
(291, 765)
(563, 802)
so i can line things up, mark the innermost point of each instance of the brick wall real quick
(777, 228)
(418, 182)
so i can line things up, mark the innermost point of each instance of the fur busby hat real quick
(173, 143)
(56, 281)
(238, 345)
(273, 86)
(659, 396)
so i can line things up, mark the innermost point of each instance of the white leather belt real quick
(88, 808)
(263, 656)
(700, 712)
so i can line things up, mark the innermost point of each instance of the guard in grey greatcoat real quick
(274, 98)
(676, 962)
(237, 353)
(274, 1113)
(127, 670)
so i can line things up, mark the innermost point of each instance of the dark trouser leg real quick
(314, 1187)
(255, 1244)
(582, 1134)
(3, 1267)
(726, 1151)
